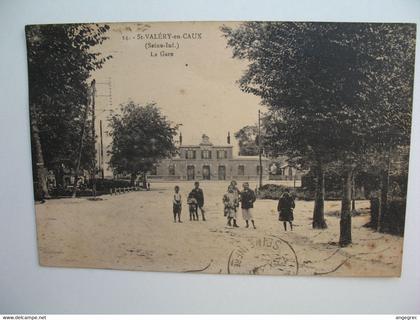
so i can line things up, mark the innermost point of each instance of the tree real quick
(305, 76)
(60, 62)
(280, 139)
(319, 83)
(247, 140)
(141, 136)
(390, 76)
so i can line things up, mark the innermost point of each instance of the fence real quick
(117, 191)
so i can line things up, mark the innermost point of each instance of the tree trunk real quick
(41, 171)
(318, 221)
(353, 194)
(383, 206)
(374, 212)
(383, 223)
(92, 94)
(345, 219)
(133, 179)
(144, 181)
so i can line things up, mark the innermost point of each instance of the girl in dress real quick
(285, 208)
(231, 202)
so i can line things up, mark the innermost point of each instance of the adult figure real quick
(247, 198)
(198, 195)
(285, 208)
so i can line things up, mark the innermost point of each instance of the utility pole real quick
(79, 157)
(259, 146)
(103, 95)
(93, 92)
(102, 151)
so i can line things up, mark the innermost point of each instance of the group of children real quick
(231, 201)
(231, 204)
(195, 201)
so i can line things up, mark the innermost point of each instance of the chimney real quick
(228, 138)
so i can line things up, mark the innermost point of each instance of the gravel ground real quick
(135, 231)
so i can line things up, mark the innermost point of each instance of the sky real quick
(196, 87)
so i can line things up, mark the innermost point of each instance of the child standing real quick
(193, 206)
(285, 208)
(248, 198)
(198, 194)
(177, 204)
(230, 201)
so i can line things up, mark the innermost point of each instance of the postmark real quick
(267, 255)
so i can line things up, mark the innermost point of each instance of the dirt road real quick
(135, 231)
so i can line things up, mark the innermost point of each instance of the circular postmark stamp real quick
(269, 255)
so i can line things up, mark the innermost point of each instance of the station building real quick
(206, 161)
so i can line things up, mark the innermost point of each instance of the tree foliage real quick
(336, 85)
(60, 62)
(247, 140)
(141, 136)
(334, 91)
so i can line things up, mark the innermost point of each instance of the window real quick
(206, 154)
(221, 154)
(241, 170)
(190, 154)
(171, 169)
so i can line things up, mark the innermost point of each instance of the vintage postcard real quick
(262, 148)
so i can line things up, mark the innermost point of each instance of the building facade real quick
(206, 161)
(282, 170)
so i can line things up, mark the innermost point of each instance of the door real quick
(206, 172)
(190, 173)
(222, 173)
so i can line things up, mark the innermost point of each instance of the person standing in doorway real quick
(248, 198)
(198, 194)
